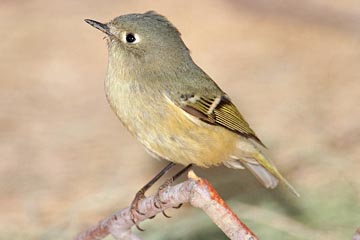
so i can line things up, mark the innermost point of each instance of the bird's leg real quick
(157, 201)
(141, 195)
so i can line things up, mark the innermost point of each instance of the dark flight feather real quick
(219, 110)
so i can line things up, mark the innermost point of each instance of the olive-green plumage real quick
(171, 105)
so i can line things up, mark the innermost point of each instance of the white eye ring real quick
(130, 38)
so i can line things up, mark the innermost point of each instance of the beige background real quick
(292, 68)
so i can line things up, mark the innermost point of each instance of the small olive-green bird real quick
(171, 105)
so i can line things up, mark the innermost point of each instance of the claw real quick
(157, 201)
(165, 215)
(179, 206)
(138, 211)
(134, 209)
(156, 205)
(137, 225)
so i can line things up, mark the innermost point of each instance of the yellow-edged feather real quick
(219, 110)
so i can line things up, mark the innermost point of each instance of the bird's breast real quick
(165, 129)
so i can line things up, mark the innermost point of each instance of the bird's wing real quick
(218, 110)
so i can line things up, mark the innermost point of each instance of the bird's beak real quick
(101, 26)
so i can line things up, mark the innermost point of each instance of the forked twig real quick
(196, 191)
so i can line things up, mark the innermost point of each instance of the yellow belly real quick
(166, 130)
(181, 138)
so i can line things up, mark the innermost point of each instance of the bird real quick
(170, 105)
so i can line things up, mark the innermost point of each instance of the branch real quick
(196, 191)
(357, 234)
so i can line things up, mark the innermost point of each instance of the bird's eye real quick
(130, 38)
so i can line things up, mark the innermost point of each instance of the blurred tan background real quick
(292, 68)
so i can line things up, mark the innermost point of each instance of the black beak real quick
(101, 26)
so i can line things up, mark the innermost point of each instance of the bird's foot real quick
(158, 203)
(134, 209)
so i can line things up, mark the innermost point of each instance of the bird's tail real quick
(262, 169)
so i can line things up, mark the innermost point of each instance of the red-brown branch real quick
(196, 191)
